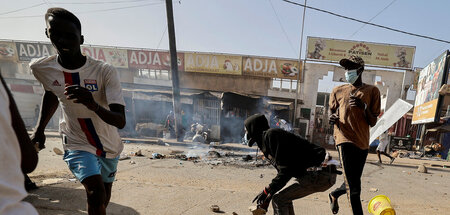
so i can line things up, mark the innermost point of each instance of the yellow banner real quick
(425, 112)
(374, 54)
(270, 67)
(213, 63)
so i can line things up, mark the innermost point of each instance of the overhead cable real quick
(281, 25)
(381, 11)
(367, 23)
(25, 8)
(86, 12)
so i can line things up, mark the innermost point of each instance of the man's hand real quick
(357, 102)
(334, 119)
(81, 95)
(38, 140)
(263, 199)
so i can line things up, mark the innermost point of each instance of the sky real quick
(247, 27)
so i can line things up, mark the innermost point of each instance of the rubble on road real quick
(58, 151)
(257, 211)
(157, 156)
(214, 208)
(422, 169)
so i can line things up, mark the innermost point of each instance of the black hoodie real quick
(290, 154)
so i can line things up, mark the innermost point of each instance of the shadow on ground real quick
(67, 199)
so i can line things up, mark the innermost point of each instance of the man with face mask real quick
(293, 157)
(354, 108)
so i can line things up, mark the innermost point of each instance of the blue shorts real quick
(84, 164)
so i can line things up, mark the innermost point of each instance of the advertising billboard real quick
(114, 57)
(271, 67)
(155, 60)
(8, 51)
(213, 63)
(427, 97)
(28, 51)
(373, 54)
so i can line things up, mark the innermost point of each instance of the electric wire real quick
(25, 8)
(392, 2)
(86, 12)
(101, 2)
(281, 25)
(367, 23)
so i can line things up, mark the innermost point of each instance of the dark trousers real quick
(352, 161)
(311, 182)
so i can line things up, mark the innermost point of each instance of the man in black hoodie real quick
(293, 157)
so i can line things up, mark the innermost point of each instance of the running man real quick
(381, 148)
(90, 96)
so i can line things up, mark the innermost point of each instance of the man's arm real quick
(28, 152)
(370, 118)
(49, 106)
(115, 116)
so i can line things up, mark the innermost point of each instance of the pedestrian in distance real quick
(381, 148)
(90, 96)
(354, 108)
(293, 157)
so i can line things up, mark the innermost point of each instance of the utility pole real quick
(302, 70)
(174, 69)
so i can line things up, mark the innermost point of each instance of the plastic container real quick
(381, 205)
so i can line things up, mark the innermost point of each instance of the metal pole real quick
(174, 69)
(302, 70)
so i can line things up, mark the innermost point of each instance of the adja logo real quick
(376, 205)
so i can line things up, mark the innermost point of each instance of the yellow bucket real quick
(381, 205)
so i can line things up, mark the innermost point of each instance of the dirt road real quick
(173, 186)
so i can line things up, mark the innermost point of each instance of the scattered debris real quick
(58, 151)
(166, 144)
(257, 210)
(123, 156)
(422, 169)
(72, 179)
(52, 181)
(173, 152)
(138, 153)
(234, 213)
(261, 176)
(373, 190)
(214, 162)
(157, 156)
(214, 154)
(132, 162)
(247, 158)
(215, 208)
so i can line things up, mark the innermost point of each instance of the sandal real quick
(333, 204)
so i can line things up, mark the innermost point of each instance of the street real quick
(174, 186)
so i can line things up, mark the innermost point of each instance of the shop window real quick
(276, 83)
(286, 84)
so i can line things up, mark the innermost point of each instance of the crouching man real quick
(293, 157)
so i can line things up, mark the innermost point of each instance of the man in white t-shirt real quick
(17, 156)
(90, 96)
(381, 148)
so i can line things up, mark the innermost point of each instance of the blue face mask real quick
(351, 76)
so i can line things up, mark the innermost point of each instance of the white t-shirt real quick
(12, 189)
(81, 128)
(384, 141)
